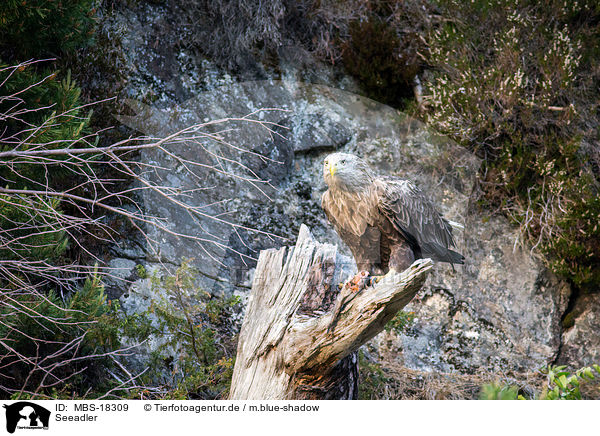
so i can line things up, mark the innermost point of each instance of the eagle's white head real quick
(346, 172)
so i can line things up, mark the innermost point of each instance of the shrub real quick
(55, 347)
(401, 322)
(562, 384)
(373, 379)
(565, 385)
(381, 62)
(196, 336)
(26, 232)
(240, 34)
(42, 28)
(42, 111)
(56, 334)
(512, 81)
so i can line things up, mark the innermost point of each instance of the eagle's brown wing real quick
(416, 218)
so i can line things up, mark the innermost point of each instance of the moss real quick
(568, 321)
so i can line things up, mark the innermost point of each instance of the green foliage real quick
(193, 329)
(565, 385)
(562, 384)
(52, 340)
(141, 271)
(40, 327)
(512, 82)
(576, 247)
(47, 97)
(24, 221)
(401, 322)
(373, 379)
(52, 119)
(40, 112)
(495, 391)
(195, 332)
(41, 28)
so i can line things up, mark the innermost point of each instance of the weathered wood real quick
(301, 332)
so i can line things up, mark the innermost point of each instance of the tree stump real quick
(301, 332)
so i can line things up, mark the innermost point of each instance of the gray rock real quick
(139, 297)
(500, 311)
(581, 342)
(315, 132)
(119, 275)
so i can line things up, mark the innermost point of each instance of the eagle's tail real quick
(441, 254)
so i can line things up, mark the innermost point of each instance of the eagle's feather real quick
(411, 213)
(385, 221)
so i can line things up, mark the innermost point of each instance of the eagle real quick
(387, 222)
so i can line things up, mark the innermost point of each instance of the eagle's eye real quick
(343, 161)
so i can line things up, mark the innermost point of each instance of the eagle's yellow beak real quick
(332, 169)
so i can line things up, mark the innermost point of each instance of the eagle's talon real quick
(357, 283)
(373, 280)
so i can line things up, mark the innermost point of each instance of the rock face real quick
(581, 342)
(500, 311)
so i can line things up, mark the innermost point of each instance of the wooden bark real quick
(301, 332)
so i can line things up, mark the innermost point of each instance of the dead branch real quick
(300, 330)
(98, 184)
